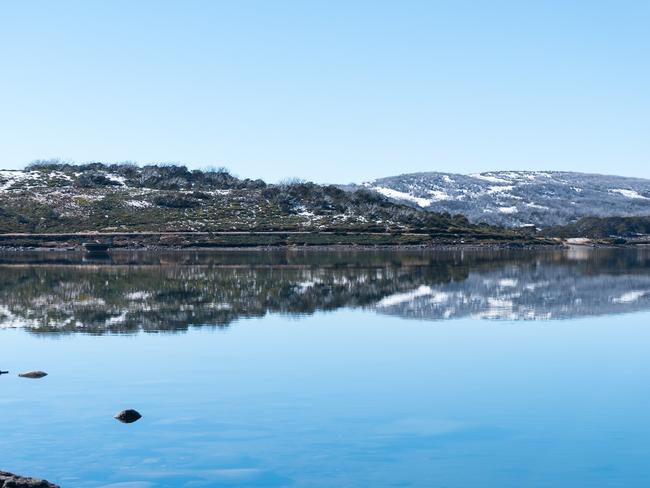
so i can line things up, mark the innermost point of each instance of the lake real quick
(321, 369)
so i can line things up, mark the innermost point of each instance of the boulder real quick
(33, 374)
(9, 480)
(128, 416)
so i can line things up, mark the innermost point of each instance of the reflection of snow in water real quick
(175, 298)
(630, 296)
(540, 293)
(398, 298)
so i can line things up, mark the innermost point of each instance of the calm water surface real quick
(501, 369)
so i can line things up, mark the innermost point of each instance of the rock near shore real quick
(9, 480)
(33, 374)
(128, 416)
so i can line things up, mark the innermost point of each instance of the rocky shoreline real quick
(262, 240)
(10, 480)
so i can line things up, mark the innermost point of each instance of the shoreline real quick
(262, 241)
(17, 481)
(314, 248)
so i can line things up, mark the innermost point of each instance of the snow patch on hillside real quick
(390, 193)
(9, 178)
(629, 193)
(117, 179)
(487, 177)
(508, 210)
(138, 203)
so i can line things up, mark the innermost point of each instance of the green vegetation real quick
(54, 197)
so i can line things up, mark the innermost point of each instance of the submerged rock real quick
(33, 375)
(9, 480)
(128, 416)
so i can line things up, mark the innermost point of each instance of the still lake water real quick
(322, 369)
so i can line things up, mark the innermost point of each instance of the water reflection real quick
(58, 292)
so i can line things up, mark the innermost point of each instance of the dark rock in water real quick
(127, 416)
(34, 375)
(8, 480)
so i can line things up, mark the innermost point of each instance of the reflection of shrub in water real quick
(193, 289)
(97, 299)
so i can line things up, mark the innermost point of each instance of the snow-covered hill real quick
(517, 198)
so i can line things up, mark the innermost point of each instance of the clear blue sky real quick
(329, 90)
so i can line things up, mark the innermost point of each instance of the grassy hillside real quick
(52, 197)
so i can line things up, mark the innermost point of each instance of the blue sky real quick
(329, 91)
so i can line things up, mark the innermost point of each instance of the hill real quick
(53, 197)
(519, 198)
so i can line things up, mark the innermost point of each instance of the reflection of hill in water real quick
(57, 292)
(522, 293)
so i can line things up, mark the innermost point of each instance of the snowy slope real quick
(517, 198)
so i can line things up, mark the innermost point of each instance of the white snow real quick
(8, 178)
(138, 203)
(303, 212)
(116, 178)
(488, 177)
(390, 193)
(439, 195)
(447, 179)
(499, 189)
(578, 241)
(138, 295)
(534, 205)
(629, 193)
(84, 198)
(508, 210)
